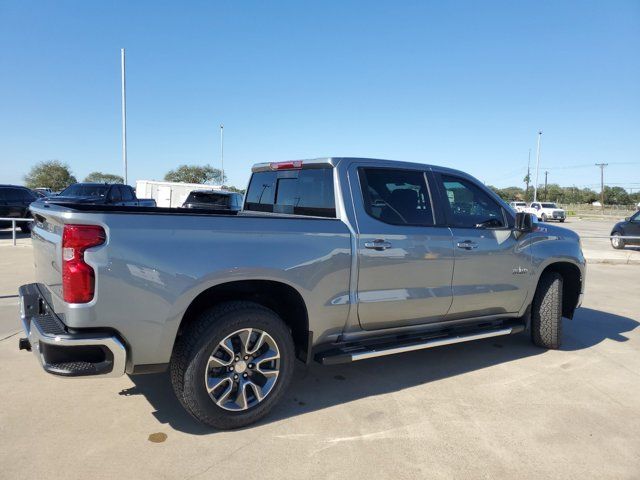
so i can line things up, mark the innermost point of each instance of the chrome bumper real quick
(61, 352)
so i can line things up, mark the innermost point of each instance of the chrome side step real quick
(353, 353)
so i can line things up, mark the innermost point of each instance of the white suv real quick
(519, 206)
(546, 211)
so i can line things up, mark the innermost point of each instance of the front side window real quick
(297, 192)
(127, 193)
(398, 197)
(469, 206)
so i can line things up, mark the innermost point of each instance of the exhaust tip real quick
(23, 344)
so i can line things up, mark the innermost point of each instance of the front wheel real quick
(546, 311)
(616, 241)
(232, 364)
(543, 218)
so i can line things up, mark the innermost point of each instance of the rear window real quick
(79, 190)
(549, 205)
(298, 192)
(221, 199)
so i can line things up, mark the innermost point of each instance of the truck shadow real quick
(318, 387)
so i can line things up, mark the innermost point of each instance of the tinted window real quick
(549, 205)
(115, 195)
(399, 197)
(80, 190)
(299, 192)
(210, 198)
(127, 193)
(16, 195)
(469, 206)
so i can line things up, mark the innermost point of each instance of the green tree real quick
(99, 177)
(616, 196)
(195, 174)
(52, 174)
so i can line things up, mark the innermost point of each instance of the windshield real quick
(519, 204)
(549, 205)
(213, 198)
(80, 190)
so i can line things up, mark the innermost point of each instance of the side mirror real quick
(524, 222)
(627, 219)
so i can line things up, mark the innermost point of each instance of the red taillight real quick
(78, 278)
(294, 164)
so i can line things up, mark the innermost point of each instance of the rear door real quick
(492, 268)
(405, 258)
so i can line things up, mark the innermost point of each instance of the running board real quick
(353, 353)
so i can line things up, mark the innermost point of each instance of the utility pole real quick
(124, 114)
(535, 186)
(528, 177)
(546, 174)
(602, 165)
(222, 152)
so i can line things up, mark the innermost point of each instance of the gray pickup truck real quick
(330, 260)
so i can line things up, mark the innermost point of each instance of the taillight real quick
(78, 278)
(295, 164)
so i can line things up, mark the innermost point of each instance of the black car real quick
(14, 203)
(217, 199)
(99, 194)
(629, 227)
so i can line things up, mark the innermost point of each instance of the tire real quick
(546, 312)
(25, 227)
(562, 220)
(543, 218)
(617, 243)
(193, 362)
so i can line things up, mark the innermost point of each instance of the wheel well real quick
(277, 296)
(571, 285)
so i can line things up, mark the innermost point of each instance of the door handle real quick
(467, 245)
(378, 244)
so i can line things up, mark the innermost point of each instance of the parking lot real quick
(493, 408)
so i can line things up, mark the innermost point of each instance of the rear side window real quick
(398, 197)
(219, 199)
(298, 192)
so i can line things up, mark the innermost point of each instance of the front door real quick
(405, 260)
(492, 267)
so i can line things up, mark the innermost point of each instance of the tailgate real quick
(46, 237)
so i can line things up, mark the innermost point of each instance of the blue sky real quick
(461, 84)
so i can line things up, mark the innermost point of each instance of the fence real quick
(608, 210)
(13, 225)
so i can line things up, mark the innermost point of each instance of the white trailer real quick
(169, 194)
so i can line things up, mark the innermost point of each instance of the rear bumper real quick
(61, 351)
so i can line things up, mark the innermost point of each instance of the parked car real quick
(546, 211)
(100, 194)
(14, 203)
(333, 260)
(630, 226)
(519, 206)
(218, 199)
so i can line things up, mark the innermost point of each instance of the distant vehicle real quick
(518, 206)
(100, 194)
(40, 193)
(14, 203)
(546, 211)
(630, 226)
(218, 199)
(45, 190)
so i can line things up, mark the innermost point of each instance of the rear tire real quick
(562, 220)
(546, 312)
(616, 241)
(234, 403)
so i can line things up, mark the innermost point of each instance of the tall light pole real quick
(535, 186)
(222, 152)
(124, 115)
